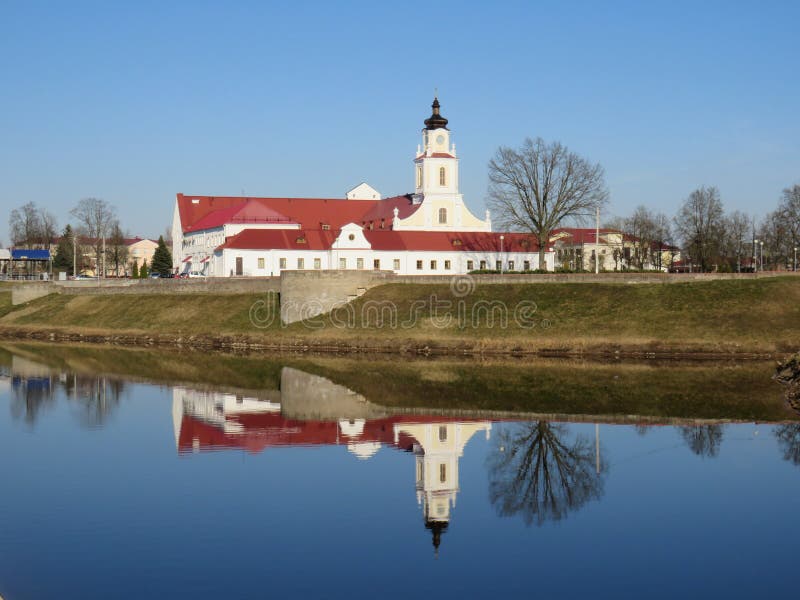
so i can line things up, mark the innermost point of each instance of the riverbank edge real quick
(454, 412)
(421, 347)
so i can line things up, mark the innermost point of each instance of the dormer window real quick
(456, 242)
(325, 227)
(301, 240)
(442, 176)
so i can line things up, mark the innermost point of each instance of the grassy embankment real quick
(715, 316)
(554, 388)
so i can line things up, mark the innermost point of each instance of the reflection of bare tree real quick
(703, 440)
(535, 471)
(30, 397)
(96, 398)
(788, 437)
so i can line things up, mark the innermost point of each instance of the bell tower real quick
(436, 164)
(436, 183)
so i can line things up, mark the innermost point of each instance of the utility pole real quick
(104, 256)
(596, 241)
(74, 255)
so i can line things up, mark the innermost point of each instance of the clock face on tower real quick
(440, 140)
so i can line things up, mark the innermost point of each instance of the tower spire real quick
(436, 120)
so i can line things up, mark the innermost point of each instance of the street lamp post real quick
(755, 255)
(794, 264)
(761, 243)
(502, 237)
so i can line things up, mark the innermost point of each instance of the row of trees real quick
(31, 226)
(540, 186)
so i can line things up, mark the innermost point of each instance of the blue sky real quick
(136, 101)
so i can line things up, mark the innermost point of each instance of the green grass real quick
(739, 391)
(739, 315)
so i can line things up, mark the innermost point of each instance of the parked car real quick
(193, 274)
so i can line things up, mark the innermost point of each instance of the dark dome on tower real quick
(435, 121)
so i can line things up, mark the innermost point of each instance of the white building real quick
(430, 231)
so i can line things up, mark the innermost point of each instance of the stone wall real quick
(306, 294)
(25, 292)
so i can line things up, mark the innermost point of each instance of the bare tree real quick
(536, 187)
(48, 228)
(117, 249)
(25, 225)
(735, 238)
(699, 223)
(96, 217)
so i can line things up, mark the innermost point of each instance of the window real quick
(396, 265)
(498, 264)
(442, 216)
(342, 263)
(511, 265)
(483, 265)
(442, 176)
(526, 265)
(301, 263)
(442, 473)
(325, 227)
(376, 264)
(433, 265)
(351, 237)
(260, 263)
(419, 265)
(282, 263)
(317, 263)
(419, 176)
(447, 265)
(359, 263)
(470, 265)
(442, 433)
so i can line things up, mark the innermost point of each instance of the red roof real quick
(389, 240)
(196, 211)
(581, 235)
(246, 212)
(285, 239)
(435, 155)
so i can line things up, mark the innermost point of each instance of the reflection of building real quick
(437, 449)
(311, 411)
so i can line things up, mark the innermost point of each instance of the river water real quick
(115, 486)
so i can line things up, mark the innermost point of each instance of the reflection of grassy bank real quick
(742, 391)
(713, 316)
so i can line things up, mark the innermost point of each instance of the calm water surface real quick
(117, 489)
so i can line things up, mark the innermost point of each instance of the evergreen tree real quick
(134, 270)
(143, 272)
(62, 261)
(162, 259)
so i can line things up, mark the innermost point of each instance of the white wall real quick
(225, 264)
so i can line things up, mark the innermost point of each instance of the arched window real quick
(442, 176)
(442, 216)
(419, 177)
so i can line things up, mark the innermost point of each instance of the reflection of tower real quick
(437, 449)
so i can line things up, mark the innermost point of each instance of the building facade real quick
(430, 231)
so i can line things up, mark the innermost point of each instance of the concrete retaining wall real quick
(306, 294)
(210, 285)
(25, 292)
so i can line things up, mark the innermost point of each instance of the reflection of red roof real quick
(388, 240)
(265, 430)
(195, 211)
